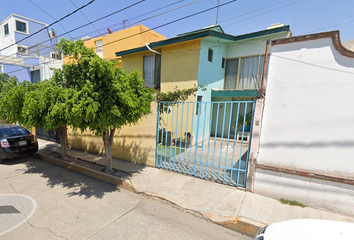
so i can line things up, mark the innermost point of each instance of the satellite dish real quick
(52, 33)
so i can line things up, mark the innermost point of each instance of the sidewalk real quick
(233, 208)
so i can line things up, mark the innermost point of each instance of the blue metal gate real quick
(205, 139)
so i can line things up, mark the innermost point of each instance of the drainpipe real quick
(264, 68)
(147, 45)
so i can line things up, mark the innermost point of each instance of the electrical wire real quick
(127, 25)
(122, 9)
(50, 25)
(162, 25)
(263, 13)
(48, 15)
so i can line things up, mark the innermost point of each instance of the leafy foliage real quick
(105, 98)
(7, 82)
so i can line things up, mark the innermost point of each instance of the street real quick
(62, 204)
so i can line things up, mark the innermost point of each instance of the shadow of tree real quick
(78, 184)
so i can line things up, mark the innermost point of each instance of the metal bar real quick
(222, 138)
(166, 131)
(190, 144)
(243, 132)
(216, 130)
(228, 138)
(236, 126)
(162, 131)
(180, 142)
(196, 140)
(174, 159)
(201, 157)
(210, 123)
(171, 133)
(157, 136)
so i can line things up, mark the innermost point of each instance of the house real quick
(106, 45)
(26, 56)
(307, 135)
(229, 66)
(128, 144)
(202, 136)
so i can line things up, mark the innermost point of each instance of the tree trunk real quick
(108, 142)
(62, 130)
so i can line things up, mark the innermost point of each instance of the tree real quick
(7, 82)
(107, 98)
(48, 105)
(12, 99)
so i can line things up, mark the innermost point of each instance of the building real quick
(106, 45)
(26, 56)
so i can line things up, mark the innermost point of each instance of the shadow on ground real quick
(56, 176)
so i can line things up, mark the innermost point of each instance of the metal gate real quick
(50, 135)
(210, 140)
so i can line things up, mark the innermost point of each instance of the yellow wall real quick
(120, 41)
(135, 143)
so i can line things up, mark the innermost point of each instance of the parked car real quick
(16, 141)
(306, 229)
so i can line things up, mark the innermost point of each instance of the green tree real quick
(12, 99)
(7, 82)
(107, 98)
(48, 105)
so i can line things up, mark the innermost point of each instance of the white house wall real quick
(308, 123)
(47, 65)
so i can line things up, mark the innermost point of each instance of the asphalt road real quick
(39, 200)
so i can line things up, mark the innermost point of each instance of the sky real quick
(236, 18)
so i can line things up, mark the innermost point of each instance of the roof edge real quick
(334, 35)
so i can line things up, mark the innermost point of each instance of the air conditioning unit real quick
(52, 33)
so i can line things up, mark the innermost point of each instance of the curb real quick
(244, 225)
(119, 182)
(240, 224)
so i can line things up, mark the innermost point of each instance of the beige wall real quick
(135, 143)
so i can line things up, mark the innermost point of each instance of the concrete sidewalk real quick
(229, 206)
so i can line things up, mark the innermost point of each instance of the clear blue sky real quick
(239, 17)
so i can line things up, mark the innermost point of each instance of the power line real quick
(85, 17)
(132, 18)
(263, 13)
(136, 17)
(49, 25)
(162, 25)
(122, 9)
(47, 14)
(256, 10)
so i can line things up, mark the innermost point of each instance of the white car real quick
(306, 229)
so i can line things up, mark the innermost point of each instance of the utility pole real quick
(124, 22)
(217, 13)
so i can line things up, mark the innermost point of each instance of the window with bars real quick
(244, 73)
(210, 55)
(23, 50)
(35, 76)
(152, 71)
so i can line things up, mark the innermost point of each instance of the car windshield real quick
(14, 131)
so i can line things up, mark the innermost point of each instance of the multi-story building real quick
(27, 49)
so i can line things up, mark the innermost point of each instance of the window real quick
(6, 29)
(223, 63)
(22, 50)
(99, 48)
(21, 26)
(35, 76)
(152, 71)
(52, 55)
(199, 99)
(244, 73)
(210, 55)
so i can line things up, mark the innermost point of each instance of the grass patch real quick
(169, 151)
(291, 203)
